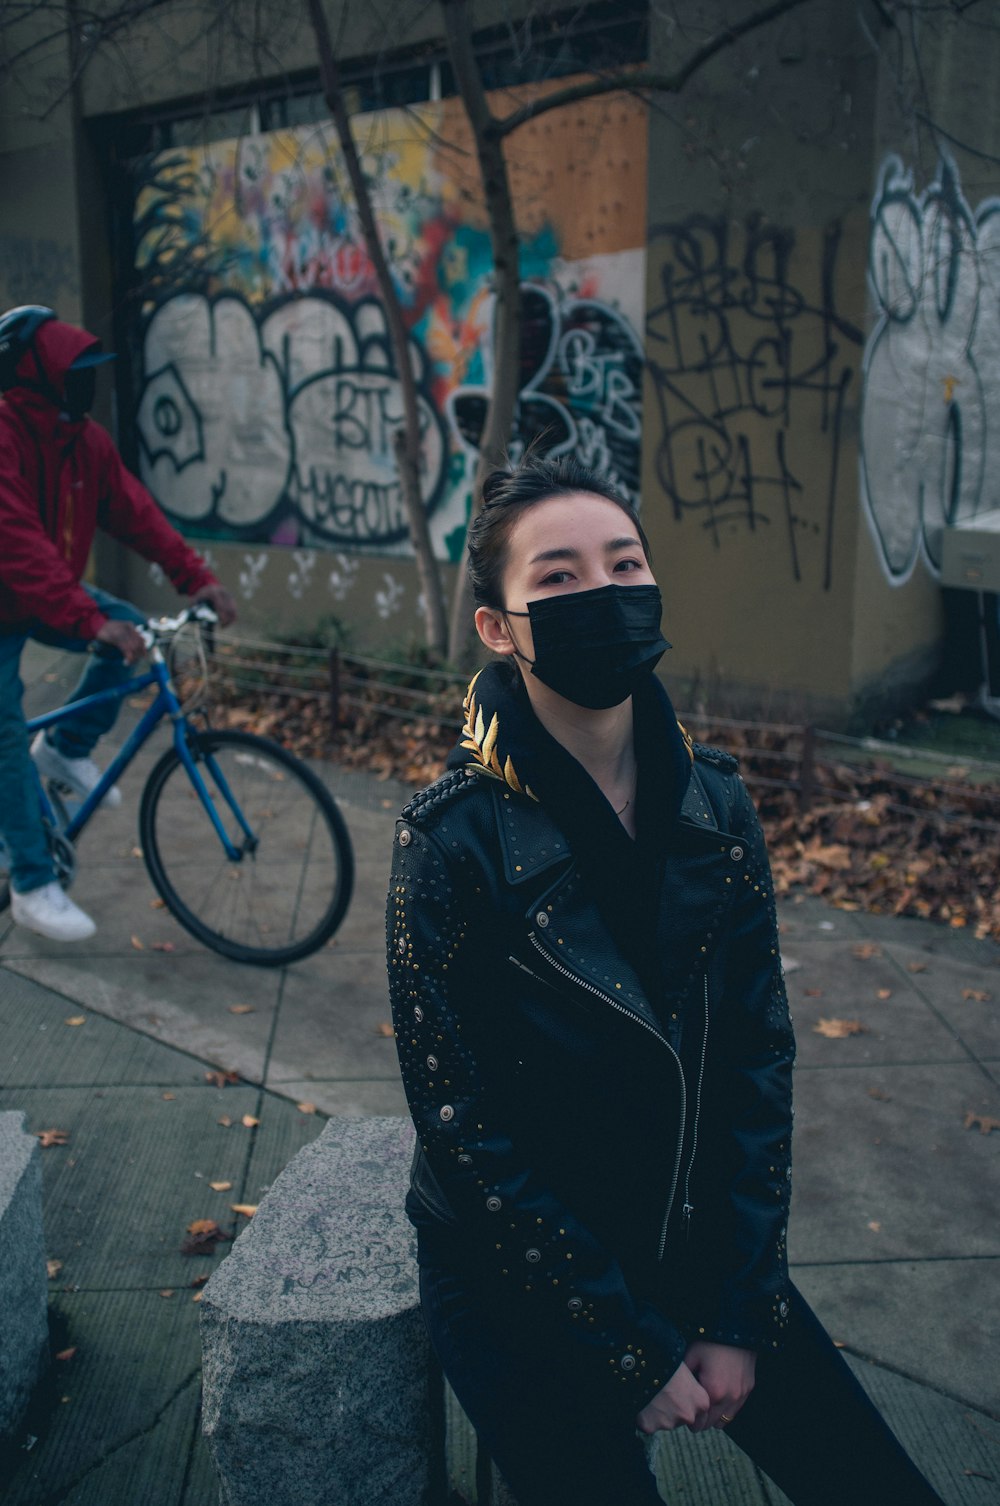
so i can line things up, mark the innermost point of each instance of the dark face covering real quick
(78, 392)
(594, 647)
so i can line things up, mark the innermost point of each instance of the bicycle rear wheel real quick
(290, 888)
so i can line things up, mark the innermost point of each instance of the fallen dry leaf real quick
(164, 946)
(167, 1291)
(249, 1121)
(137, 943)
(197, 1296)
(978, 995)
(157, 903)
(225, 1121)
(241, 1009)
(168, 1097)
(76, 1019)
(53, 1267)
(66, 1354)
(203, 1236)
(874, 1226)
(866, 949)
(137, 852)
(384, 1028)
(883, 993)
(53, 1137)
(916, 967)
(836, 1030)
(200, 1280)
(222, 1079)
(306, 1108)
(880, 1094)
(985, 1123)
(247, 1209)
(220, 1186)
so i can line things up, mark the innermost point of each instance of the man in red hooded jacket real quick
(61, 478)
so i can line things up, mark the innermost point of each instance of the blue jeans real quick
(20, 820)
(807, 1423)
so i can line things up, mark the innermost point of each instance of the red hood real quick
(56, 346)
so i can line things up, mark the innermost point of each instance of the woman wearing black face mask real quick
(596, 1049)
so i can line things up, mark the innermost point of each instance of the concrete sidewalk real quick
(894, 1235)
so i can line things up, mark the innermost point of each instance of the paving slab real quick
(186, 1006)
(957, 1447)
(134, 1174)
(884, 1167)
(41, 1050)
(896, 1023)
(965, 997)
(351, 1097)
(916, 1317)
(121, 1428)
(330, 1021)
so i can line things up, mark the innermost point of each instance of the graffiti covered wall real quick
(268, 399)
(750, 363)
(930, 437)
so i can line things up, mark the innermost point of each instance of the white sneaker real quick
(78, 774)
(51, 913)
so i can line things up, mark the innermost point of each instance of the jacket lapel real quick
(565, 926)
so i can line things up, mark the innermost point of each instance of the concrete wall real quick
(39, 240)
(290, 591)
(758, 190)
(930, 440)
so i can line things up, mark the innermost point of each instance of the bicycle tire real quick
(236, 908)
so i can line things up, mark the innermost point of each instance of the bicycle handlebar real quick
(165, 627)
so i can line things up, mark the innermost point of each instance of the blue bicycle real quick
(243, 842)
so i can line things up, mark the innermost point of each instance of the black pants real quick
(807, 1423)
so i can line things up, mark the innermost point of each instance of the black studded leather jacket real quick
(612, 1174)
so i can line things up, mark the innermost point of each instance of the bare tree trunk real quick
(407, 442)
(506, 285)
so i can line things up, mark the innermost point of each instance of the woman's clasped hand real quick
(706, 1390)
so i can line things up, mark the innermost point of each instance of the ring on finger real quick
(724, 1418)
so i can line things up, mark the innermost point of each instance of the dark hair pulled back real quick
(511, 490)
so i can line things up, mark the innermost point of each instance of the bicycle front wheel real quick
(289, 889)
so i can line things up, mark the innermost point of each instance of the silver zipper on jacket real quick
(688, 1209)
(632, 1015)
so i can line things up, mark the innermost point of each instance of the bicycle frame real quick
(166, 704)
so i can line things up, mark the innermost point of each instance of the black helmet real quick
(17, 331)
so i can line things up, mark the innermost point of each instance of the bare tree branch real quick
(407, 440)
(506, 281)
(965, 146)
(641, 78)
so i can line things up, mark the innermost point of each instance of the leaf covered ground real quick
(872, 836)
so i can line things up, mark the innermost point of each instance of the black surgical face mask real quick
(595, 647)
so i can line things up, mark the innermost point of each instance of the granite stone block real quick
(316, 1361)
(23, 1281)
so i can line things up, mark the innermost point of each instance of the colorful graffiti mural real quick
(268, 395)
(930, 446)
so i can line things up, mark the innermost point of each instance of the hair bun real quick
(495, 483)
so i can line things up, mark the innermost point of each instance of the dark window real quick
(597, 37)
